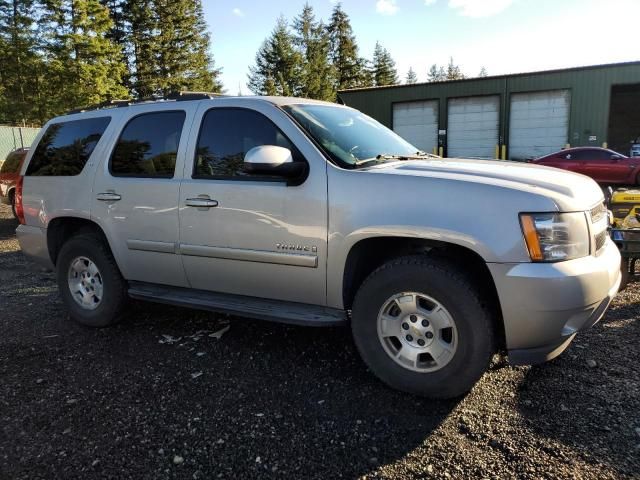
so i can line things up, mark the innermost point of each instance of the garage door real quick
(417, 123)
(473, 127)
(539, 123)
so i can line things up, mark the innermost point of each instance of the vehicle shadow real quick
(264, 399)
(595, 391)
(8, 228)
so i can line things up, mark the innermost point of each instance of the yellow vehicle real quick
(625, 205)
(625, 232)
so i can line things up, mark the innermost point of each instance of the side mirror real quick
(615, 157)
(272, 160)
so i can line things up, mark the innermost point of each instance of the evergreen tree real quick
(21, 67)
(84, 66)
(483, 73)
(436, 74)
(411, 77)
(141, 47)
(313, 43)
(278, 68)
(384, 68)
(350, 72)
(118, 33)
(168, 44)
(453, 71)
(367, 77)
(182, 48)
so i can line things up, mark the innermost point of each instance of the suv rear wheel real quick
(90, 282)
(421, 328)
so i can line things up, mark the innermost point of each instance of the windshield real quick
(348, 136)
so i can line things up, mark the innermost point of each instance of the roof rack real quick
(99, 106)
(182, 96)
(185, 96)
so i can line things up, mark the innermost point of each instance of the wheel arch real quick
(61, 229)
(367, 254)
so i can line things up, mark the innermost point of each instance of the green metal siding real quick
(590, 89)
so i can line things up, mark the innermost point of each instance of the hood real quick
(570, 190)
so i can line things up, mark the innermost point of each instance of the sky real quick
(504, 36)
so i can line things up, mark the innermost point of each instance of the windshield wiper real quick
(388, 156)
(417, 156)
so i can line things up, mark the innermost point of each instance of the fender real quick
(340, 247)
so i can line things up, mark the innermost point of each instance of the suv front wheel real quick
(421, 328)
(90, 282)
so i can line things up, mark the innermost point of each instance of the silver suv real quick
(314, 214)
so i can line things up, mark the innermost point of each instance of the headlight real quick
(553, 237)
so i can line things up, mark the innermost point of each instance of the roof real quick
(194, 96)
(493, 77)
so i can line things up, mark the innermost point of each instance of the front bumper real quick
(544, 305)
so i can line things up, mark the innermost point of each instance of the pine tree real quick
(84, 66)
(350, 72)
(367, 77)
(384, 68)
(182, 48)
(483, 73)
(313, 44)
(278, 68)
(118, 32)
(436, 74)
(168, 43)
(21, 67)
(453, 71)
(140, 46)
(411, 77)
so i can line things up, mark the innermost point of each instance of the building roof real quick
(494, 77)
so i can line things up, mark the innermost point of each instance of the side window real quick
(580, 156)
(227, 134)
(148, 146)
(591, 155)
(65, 147)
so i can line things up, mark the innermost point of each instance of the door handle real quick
(201, 202)
(108, 197)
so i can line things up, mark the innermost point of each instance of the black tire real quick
(12, 202)
(439, 280)
(624, 273)
(114, 297)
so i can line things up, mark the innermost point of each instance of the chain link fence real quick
(12, 138)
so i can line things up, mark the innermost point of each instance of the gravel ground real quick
(165, 395)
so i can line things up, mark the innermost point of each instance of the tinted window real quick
(65, 147)
(590, 155)
(148, 146)
(12, 163)
(227, 135)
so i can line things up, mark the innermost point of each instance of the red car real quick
(603, 165)
(9, 174)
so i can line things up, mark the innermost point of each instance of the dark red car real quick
(9, 174)
(603, 165)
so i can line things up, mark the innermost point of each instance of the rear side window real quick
(12, 163)
(148, 146)
(65, 147)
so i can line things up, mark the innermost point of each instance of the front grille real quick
(601, 239)
(598, 212)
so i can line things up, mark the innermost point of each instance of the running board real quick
(260, 308)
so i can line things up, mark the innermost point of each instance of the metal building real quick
(517, 116)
